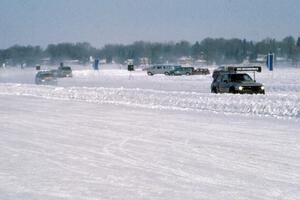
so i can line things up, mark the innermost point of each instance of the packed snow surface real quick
(112, 134)
(267, 105)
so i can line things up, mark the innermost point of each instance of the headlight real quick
(262, 87)
(241, 88)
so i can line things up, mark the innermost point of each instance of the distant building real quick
(70, 62)
(185, 60)
(45, 61)
(102, 61)
(281, 59)
(200, 63)
(144, 61)
(129, 62)
(261, 58)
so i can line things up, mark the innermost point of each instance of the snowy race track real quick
(112, 136)
(266, 105)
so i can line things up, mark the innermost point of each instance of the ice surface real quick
(267, 105)
(108, 135)
(118, 86)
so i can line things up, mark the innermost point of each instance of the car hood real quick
(251, 84)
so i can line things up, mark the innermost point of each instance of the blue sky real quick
(99, 22)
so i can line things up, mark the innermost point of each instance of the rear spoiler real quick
(244, 69)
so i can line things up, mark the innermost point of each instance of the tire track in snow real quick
(275, 105)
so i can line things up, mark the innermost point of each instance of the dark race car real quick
(233, 80)
(64, 71)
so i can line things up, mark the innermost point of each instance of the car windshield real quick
(65, 68)
(46, 75)
(240, 78)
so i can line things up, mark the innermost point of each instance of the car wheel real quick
(188, 73)
(214, 90)
(232, 90)
(167, 73)
(149, 74)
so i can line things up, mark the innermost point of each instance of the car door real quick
(155, 70)
(224, 84)
(216, 83)
(159, 70)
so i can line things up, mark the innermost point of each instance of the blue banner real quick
(96, 64)
(270, 61)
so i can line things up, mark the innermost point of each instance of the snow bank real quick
(275, 105)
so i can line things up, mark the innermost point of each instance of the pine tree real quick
(298, 42)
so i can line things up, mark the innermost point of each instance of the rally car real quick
(235, 80)
(45, 78)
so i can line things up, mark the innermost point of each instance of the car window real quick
(240, 78)
(225, 77)
(219, 78)
(46, 75)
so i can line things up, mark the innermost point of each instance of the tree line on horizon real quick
(218, 50)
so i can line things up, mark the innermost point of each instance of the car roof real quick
(230, 72)
(169, 65)
(44, 72)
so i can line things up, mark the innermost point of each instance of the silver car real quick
(161, 69)
(45, 78)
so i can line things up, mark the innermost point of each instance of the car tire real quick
(149, 74)
(214, 90)
(232, 90)
(167, 73)
(188, 73)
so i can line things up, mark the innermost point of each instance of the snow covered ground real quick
(115, 135)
